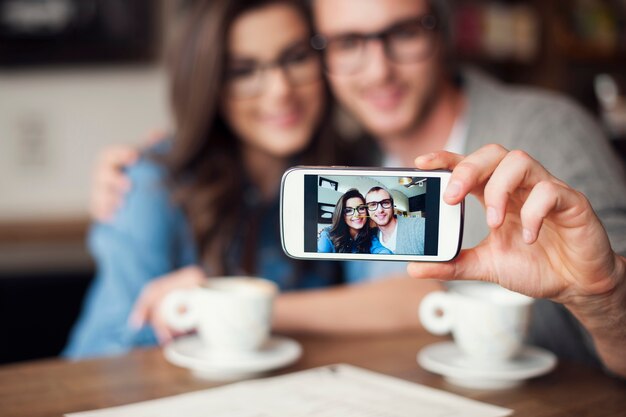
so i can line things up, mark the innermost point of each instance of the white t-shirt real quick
(455, 143)
(391, 243)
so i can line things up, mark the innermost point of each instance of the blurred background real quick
(78, 75)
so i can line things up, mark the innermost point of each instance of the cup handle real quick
(178, 310)
(433, 303)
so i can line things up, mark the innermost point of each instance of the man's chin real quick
(388, 127)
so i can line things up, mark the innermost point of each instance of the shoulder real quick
(149, 192)
(550, 127)
(411, 222)
(148, 214)
(508, 114)
(377, 247)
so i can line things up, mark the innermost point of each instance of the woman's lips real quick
(283, 119)
(357, 221)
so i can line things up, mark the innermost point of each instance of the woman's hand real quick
(545, 239)
(146, 308)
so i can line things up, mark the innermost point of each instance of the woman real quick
(350, 231)
(248, 100)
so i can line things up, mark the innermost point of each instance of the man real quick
(388, 64)
(398, 82)
(398, 234)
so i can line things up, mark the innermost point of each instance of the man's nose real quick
(377, 65)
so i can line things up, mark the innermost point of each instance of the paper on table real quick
(335, 390)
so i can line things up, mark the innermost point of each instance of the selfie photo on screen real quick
(372, 215)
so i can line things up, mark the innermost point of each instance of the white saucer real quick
(189, 352)
(446, 359)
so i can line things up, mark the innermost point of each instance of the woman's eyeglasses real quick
(350, 211)
(386, 204)
(300, 64)
(404, 42)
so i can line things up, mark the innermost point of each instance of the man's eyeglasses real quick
(386, 204)
(405, 42)
(349, 211)
(299, 63)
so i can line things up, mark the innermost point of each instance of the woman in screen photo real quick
(350, 231)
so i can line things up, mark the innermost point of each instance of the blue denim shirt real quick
(325, 244)
(150, 237)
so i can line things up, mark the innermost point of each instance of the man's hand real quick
(146, 308)
(110, 183)
(545, 239)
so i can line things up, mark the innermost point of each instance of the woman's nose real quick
(277, 82)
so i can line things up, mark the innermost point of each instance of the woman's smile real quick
(356, 222)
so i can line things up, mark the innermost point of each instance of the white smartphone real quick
(368, 214)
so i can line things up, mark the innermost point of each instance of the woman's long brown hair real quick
(340, 231)
(205, 163)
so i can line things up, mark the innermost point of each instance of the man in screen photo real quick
(401, 235)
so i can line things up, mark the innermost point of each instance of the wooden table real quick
(54, 387)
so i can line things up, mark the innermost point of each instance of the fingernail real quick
(427, 157)
(492, 217)
(453, 190)
(527, 235)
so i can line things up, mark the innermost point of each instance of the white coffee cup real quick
(488, 323)
(231, 315)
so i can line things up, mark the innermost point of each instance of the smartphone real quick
(368, 214)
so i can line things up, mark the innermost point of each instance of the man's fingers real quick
(542, 199)
(107, 194)
(119, 156)
(102, 208)
(111, 180)
(438, 160)
(548, 197)
(517, 172)
(473, 171)
(467, 173)
(152, 138)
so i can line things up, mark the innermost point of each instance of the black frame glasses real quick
(408, 41)
(387, 203)
(300, 63)
(349, 211)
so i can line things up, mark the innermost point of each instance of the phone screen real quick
(371, 214)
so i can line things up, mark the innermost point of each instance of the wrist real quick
(604, 314)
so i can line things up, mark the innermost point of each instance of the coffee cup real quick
(488, 323)
(231, 315)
